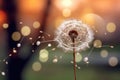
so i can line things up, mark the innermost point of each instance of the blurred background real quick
(28, 50)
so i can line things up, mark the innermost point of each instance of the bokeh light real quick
(25, 30)
(78, 57)
(113, 61)
(104, 53)
(111, 27)
(36, 66)
(86, 59)
(49, 45)
(64, 3)
(43, 55)
(69, 4)
(16, 36)
(38, 43)
(19, 45)
(96, 22)
(97, 43)
(3, 73)
(36, 24)
(55, 60)
(5, 25)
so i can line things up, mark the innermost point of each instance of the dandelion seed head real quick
(85, 35)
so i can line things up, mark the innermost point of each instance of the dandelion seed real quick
(85, 35)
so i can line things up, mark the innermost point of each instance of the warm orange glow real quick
(2, 17)
(87, 10)
(66, 12)
(58, 21)
(89, 19)
(103, 5)
(31, 6)
(95, 21)
(62, 4)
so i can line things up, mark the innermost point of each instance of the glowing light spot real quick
(5, 25)
(19, 45)
(104, 53)
(71, 62)
(78, 67)
(78, 57)
(39, 37)
(85, 59)
(36, 24)
(10, 55)
(113, 61)
(53, 49)
(6, 62)
(95, 21)
(16, 36)
(38, 43)
(3, 73)
(30, 38)
(14, 50)
(25, 30)
(87, 62)
(111, 46)
(33, 43)
(66, 12)
(111, 27)
(55, 60)
(41, 31)
(97, 44)
(67, 3)
(89, 19)
(21, 23)
(71, 4)
(36, 66)
(33, 51)
(49, 45)
(43, 55)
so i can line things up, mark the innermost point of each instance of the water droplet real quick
(85, 59)
(18, 45)
(6, 62)
(38, 43)
(49, 45)
(3, 73)
(14, 50)
(55, 60)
